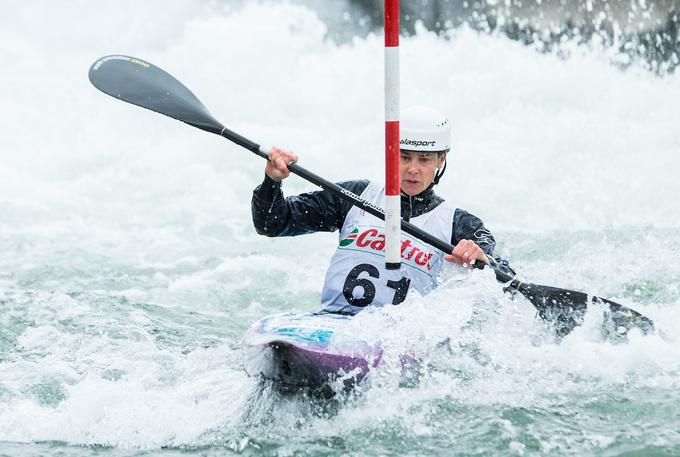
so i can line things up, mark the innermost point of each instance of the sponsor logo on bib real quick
(351, 237)
(371, 239)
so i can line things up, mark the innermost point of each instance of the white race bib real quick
(357, 277)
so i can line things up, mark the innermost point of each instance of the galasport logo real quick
(374, 240)
(407, 142)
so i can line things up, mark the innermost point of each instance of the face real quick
(417, 170)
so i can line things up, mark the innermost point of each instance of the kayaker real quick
(357, 276)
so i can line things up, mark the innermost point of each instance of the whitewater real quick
(130, 269)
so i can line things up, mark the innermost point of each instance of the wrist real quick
(269, 190)
(269, 178)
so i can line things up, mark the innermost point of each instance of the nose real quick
(412, 167)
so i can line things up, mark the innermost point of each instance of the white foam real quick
(130, 268)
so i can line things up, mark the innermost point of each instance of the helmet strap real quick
(439, 173)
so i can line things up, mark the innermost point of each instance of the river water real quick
(130, 270)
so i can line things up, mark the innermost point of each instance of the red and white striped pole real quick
(392, 184)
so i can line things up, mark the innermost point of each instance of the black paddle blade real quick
(565, 310)
(143, 84)
(618, 320)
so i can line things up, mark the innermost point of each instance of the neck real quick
(415, 205)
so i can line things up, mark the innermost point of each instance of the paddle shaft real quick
(357, 201)
(530, 291)
(575, 302)
(138, 82)
(340, 192)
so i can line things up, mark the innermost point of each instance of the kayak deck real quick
(308, 350)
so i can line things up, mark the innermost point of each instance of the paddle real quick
(143, 84)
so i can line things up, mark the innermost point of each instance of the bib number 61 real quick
(353, 281)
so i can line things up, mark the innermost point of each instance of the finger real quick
(283, 166)
(472, 252)
(275, 162)
(459, 249)
(456, 255)
(278, 153)
(275, 169)
(453, 259)
(467, 252)
(273, 152)
(283, 163)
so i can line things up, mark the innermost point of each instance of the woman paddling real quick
(357, 276)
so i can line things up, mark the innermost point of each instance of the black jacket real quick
(321, 211)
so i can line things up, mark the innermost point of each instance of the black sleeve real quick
(320, 211)
(469, 227)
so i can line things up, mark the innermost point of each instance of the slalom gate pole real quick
(392, 184)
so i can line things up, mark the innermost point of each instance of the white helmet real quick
(424, 129)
